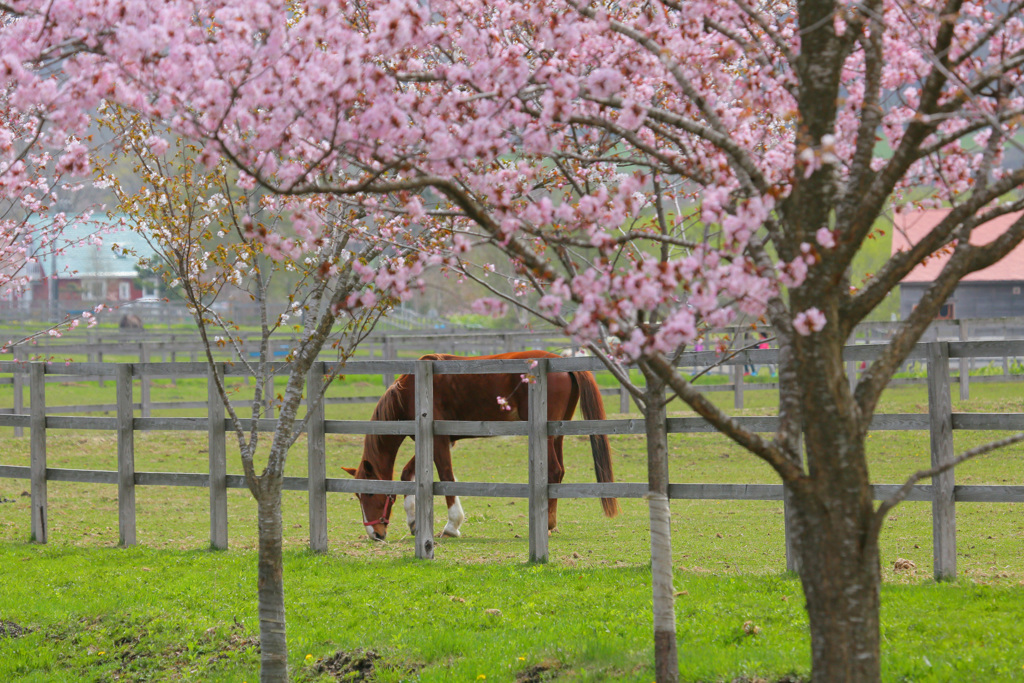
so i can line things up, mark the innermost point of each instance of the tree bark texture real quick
(666, 658)
(267, 490)
(835, 540)
(839, 570)
(270, 577)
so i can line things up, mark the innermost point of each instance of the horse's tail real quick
(593, 409)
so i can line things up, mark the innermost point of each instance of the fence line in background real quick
(386, 345)
(735, 374)
(146, 345)
(940, 421)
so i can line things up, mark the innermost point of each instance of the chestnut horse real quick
(475, 398)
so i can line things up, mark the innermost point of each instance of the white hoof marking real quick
(455, 519)
(410, 513)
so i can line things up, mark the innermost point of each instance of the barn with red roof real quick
(995, 292)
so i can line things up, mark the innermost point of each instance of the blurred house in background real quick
(92, 263)
(995, 292)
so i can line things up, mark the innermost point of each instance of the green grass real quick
(147, 614)
(151, 609)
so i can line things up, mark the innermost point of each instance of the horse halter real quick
(385, 516)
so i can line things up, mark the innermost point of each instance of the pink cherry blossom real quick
(809, 321)
(495, 308)
(158, 144)
(825, 238)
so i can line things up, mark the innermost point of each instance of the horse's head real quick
(376, 507)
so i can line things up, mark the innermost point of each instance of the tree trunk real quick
(666, 658)
(273, 646)
(839, 569)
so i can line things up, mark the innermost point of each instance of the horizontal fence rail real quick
(733, 367)
(940, 421)
(147, 345)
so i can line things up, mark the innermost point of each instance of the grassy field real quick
(145, 614)
(172, 610)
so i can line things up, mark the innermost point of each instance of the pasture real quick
(172, 610)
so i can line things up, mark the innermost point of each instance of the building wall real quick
(89, 290)
(972, 299)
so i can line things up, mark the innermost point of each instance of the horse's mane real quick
(390, 405)
(388, 408)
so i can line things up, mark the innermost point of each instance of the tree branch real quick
(779, 461)
(905, 490)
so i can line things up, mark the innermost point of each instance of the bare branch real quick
(751, 441)
(904, 491)
(747, 170)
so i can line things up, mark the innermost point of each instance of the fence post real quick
(125, 457)
(316, 450)
(424, 385)
(18, 378)
(940, 418)
(388, 353)
(623, 399)
(851, 375)
(97, 356)
(537, 402)
(965, 365)
(144, 380)
(737, 384)
(217, 450)
(37, 446)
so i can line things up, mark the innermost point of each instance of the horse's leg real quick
(409, 474)
(443, 462)
(556, 470)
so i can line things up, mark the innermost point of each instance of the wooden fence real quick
(940, 421)
(865, 332)
(179, 346)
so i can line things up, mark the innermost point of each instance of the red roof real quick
(913, 225)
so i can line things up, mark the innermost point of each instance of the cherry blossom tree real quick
(212, 237)
(32, 229)
(28, 242)
(657, 171)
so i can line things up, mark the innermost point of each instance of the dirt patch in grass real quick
(136, 651)
(9, 629)
(758, 679)
(538, 673)
(236, 642)
(132, 650)
(357, 665)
